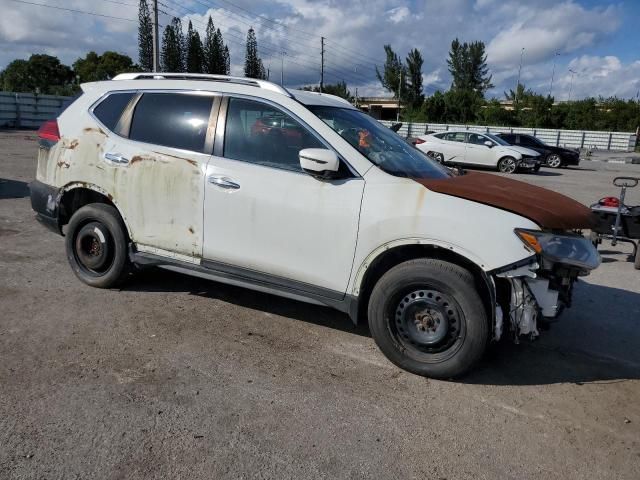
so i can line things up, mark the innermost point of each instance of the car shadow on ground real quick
(564, 354)
(13, 188)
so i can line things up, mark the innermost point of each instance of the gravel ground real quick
(177, 377)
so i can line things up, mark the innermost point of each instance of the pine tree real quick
(468, 66)
(394, 74)
(220, 61)
(414, 78)
(227, 61)
(173, 47)
(145, 37)
(194, 51)
(211, 53)
(253, 67)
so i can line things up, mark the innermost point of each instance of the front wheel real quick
(554, 161)
(96, 246)
(507, 165)
(427, 317)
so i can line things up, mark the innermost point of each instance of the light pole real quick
(515, 99)
(553, 72)
(573, 72)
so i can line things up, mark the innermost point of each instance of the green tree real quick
(415, 97)
(40, 74)
(145, 37)
(227, 61)
(434, 108)
(212, 53)
(195, 55)
(172, 51)
(467, 64)
(96, 67)
(253, 67)
(394, 74)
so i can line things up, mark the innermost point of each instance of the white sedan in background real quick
(464, 147)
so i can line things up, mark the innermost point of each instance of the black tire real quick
(438, 157)
(96, 245)
(508, 165)
(536, 169)
(438, 293)
(636, 262)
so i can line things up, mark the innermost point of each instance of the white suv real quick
(465, 147)
(302, 195)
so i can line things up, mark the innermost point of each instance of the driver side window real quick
(477, 139)
(259, 133)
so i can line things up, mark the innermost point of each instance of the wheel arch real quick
(76, 195)
(390, 255)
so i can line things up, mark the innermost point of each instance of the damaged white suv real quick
(302, 195)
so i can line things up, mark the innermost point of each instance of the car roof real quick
(224, 83)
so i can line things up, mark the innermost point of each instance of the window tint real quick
(110, 109)
(455, 136)
(477, 139)
(508, 138)
(172, 119)
(258, 133)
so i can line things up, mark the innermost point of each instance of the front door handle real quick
(116, 158)
(223, 182)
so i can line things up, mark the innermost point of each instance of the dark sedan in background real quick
(551, 156)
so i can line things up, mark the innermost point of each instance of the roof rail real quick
(204, 77)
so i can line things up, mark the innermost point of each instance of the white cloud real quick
(356, 32)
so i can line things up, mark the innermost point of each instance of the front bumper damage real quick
(535, 291)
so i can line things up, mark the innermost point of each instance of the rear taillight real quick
(49, 131)
(609, 202)
(418, 141)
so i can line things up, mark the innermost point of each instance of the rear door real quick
(264, 217)
(454, 147)
(156, 165)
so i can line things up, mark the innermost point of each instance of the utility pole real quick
(321, 63)
(282, 68)
(356, 97)
(573, 72)
(156, 49)
(553, 72)
(515, 99)
(399, 96)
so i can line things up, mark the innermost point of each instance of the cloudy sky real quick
(597, 39)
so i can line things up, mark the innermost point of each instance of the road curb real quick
(628, 161)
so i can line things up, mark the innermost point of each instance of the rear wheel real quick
(96, 246)
(438, 157)
(507, 165)
(427, 317)
(554, 161)
(636, 262)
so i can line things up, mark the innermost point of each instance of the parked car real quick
(464, 147)
(551, 156)
(167, 170)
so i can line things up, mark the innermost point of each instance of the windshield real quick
(379, 144)
(498, 140)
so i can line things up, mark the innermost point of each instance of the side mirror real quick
(488, 144)
(319, 162)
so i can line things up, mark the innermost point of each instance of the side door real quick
(157, 165)
(264, 217)
(454, 149)
(477, 152)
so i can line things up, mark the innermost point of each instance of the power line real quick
(76, 11)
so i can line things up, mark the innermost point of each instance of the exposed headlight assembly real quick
(573, 250)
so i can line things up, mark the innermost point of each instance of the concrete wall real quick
(621, 141)
(28, 110)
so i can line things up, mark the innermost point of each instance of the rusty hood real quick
(548, 209)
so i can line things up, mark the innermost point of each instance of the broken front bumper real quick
(540, 287)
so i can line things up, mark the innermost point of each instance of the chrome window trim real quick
(218, 149)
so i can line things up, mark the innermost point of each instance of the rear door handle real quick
(116, 158)
(223, 182)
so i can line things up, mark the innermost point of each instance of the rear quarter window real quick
(109, 110)
(175, 120)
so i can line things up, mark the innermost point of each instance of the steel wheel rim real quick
(427, 324)
(94, 251)
(554, 161)
(508, 166)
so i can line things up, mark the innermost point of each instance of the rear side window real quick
(455, 136)
(172, 119)
(111, 108)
